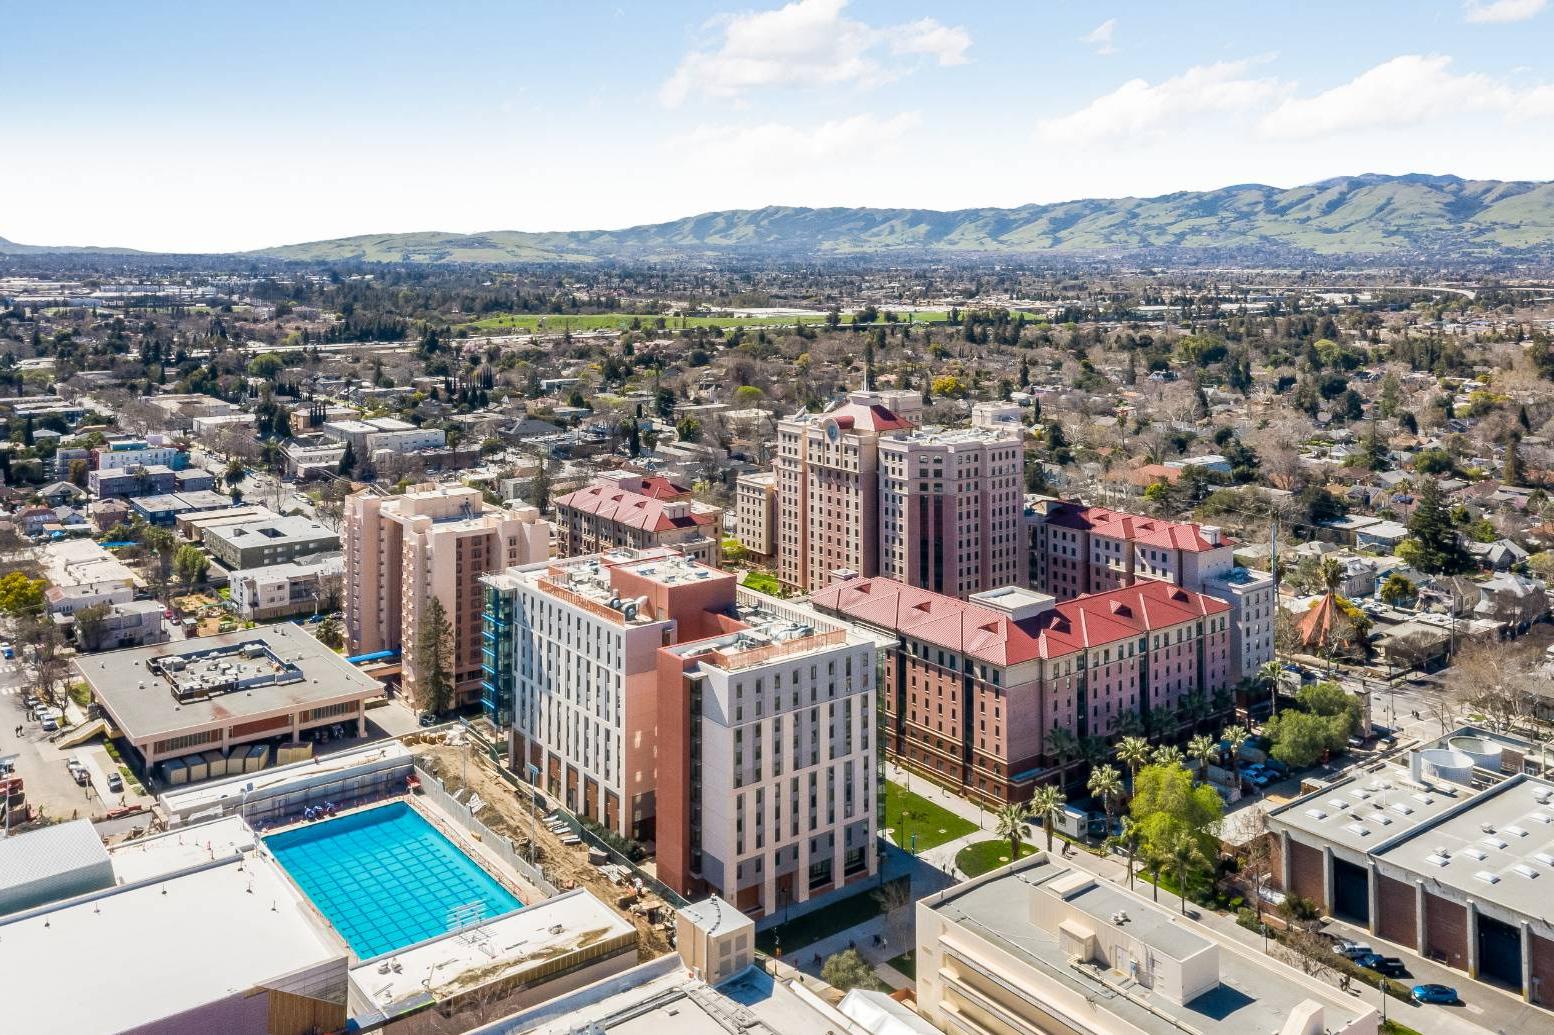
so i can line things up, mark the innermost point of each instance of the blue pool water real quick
(385, 877)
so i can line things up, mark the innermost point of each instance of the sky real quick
(231, 126)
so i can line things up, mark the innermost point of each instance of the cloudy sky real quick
(231, 126)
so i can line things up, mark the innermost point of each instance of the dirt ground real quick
(567, 867)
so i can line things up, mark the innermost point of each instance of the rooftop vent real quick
(1487, 876)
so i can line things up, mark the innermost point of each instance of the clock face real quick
(832, 431)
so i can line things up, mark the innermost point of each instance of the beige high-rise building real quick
(827, 468)
(952, 505)
(433, 541)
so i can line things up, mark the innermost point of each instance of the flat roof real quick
(495, 951)
(39, 854)
(1253, 995)
(270, 531)
(1499, 847)
(143, 704)
(176, 851)
(159, 949)
(1365, 809)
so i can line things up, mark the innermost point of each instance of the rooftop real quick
(1498, 846)
(933, 435)
(1367, 809)
(271, 531)
(1133, 528)
(134, 940)
(168, 687)
(499, 950)
(1254, 994)
(1001, 638)
(38, 854)
(659, 512)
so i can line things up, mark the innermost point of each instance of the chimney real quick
(1211, 533)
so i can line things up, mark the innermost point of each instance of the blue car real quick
(1443, 994)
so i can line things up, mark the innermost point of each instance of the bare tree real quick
(1496, 679)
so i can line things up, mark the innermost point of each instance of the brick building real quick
(972, 689)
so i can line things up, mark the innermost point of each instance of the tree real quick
(1236, 737)
(1130, 840)
(20, 595)
(1062, 746)
(91, 622)
(190, 565)
(1134, 751)
(434, 645)
(1327, 717)
(539, 487)
(1185, 855)
(688, 429)
(330, 634)
(1106, 783)
(1166, 802)
(847, 970)
(1046, 803)
(1203, 750)
(1434, 546)
(235, 472)
(1166, 755)
(266, 366)
(1397, 590)
(78, 473)
(1009, 824)
(347, 465)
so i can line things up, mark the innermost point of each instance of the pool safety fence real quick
(500, 845)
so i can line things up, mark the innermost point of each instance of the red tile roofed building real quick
(972, 689)
(639, 512)
(1076, 550)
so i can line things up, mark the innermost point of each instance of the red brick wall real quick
(1446, 931)
(1306, 873)
(1275, 861)
(1395, 920)
(1543, 971)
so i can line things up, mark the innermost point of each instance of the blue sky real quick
(231, 126)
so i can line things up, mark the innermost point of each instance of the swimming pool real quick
(386, 878)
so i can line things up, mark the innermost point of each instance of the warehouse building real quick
(50, 864)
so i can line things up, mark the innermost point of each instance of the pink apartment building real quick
(433, 541)
(636, 512)
(1075, 549)
(972, 689)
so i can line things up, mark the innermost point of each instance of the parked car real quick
(50, 724)
(1351, 950)
(428, 719)
(1444, 994)
(7, 651)
(1391, 966)
(115, 783)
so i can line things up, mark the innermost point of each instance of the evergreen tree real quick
(434, 685)
(1377, 456)
(1513, 472)
(347, 461)
(1434, 547)
(539, 487)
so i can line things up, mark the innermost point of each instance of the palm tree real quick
(1167, 754)
(1331, 573)
(1235, 736)
(1046, 803)
(1269, 673)
(1183, 853)
(1204, 750)
(1134, 752)
(1011, 820)
(1062, 745)
(1154, 862)
(1130, 840)
(1106, 783)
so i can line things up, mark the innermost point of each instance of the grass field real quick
(822, 923)
(905, 963)
(932, 824)
(977, 859)
(530, 323)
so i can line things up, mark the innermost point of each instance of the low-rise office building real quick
(134, 624)
(130, 482)
(267, 540)
(164, 509)
(1422, 858)
(1042, 947)
(214, 692)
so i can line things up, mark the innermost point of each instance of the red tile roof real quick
(632, 509)
(1170, 535)
(992, 636)
(657, 487)
(867, 417)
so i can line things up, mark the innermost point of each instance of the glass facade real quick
(496, 658)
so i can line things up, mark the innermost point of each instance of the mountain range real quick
(1413, 216)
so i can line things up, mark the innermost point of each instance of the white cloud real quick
(1404, 91)
(1138, 106)
(1502, 10)
(1100, 37)
(830, 140)
(809, 43)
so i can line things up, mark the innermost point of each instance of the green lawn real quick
(556, 323)
(805, 930)
(976, 859)
(908, 814)
(905, 963)
(762, 582)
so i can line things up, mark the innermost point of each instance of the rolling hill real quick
(1400, 217)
